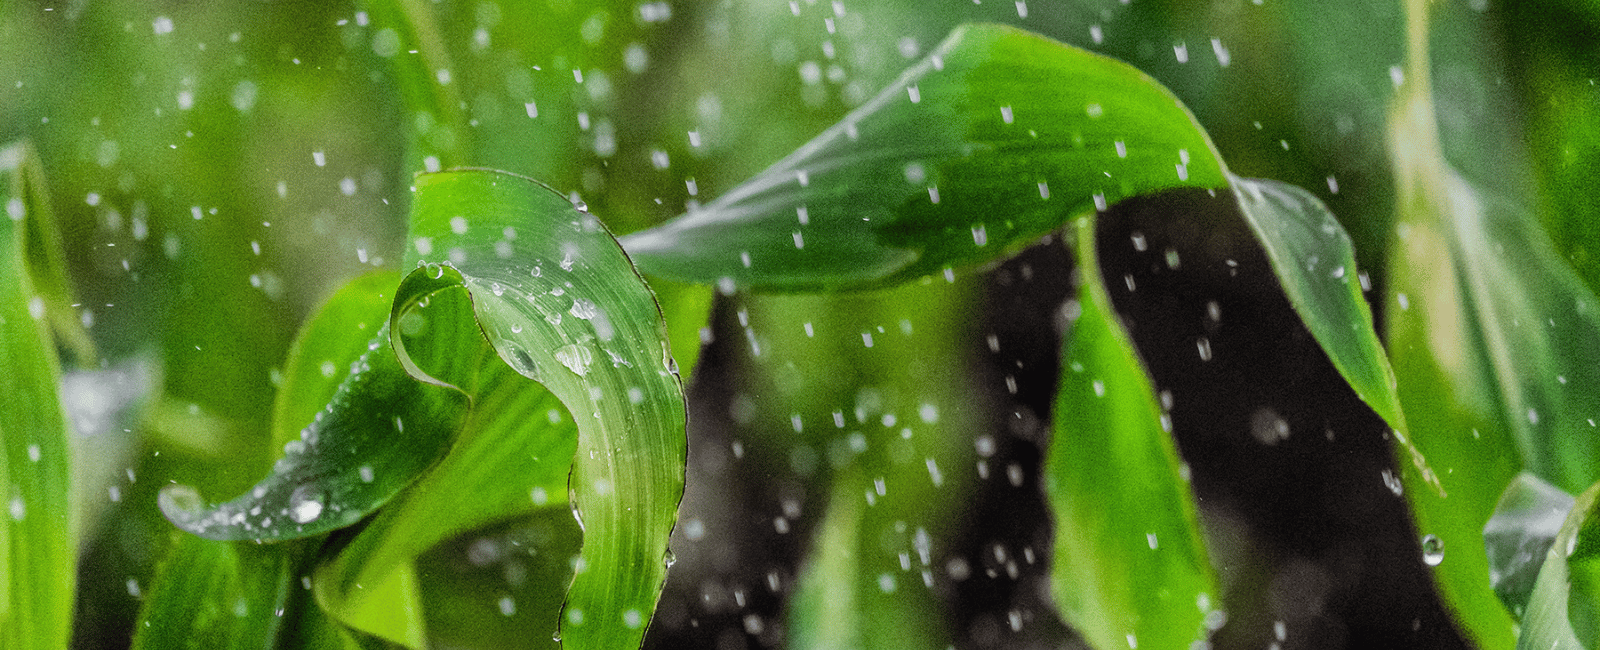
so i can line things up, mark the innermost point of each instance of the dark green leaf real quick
(37, 535)
(996, 138)
(379, 432)
(1130, 562)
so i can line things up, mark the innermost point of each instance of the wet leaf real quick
(1564, 609)
(381, 429)
(996, 138)
(37, 536)
(1526, 522)
(1130, 563)
(561, 304)
(325, 347)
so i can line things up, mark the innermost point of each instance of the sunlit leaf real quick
(37, 538)
(1130, 562)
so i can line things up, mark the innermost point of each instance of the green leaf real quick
(996, 138)
(211, 594)
(335, 337)
(896, 477)
(37, 535)
(1526, 522)
(1130, 562)
(1564, 610)
(512, 458)
(561, 304)
(1315, 262)
(379, 432)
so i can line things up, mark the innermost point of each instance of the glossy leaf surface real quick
(1564, 609)
(988, 143)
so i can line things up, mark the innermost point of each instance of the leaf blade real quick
(1130, 563)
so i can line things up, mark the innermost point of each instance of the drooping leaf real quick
(996, 138)
(37, 536)
(991, 141)
(1130, 562)
(561, 304)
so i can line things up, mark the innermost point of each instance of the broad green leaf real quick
(1564, 610)
(210, 594)
(37, 536)
(996, 138)
(512, 458)
(1491, 332)
(561, 304)
(1130, 562)
(991, 141)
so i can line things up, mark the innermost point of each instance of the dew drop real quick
(305, 504)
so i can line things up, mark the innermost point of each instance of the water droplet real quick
(1432, 550)
(305, 504)
(1392, 482)
(575, 357)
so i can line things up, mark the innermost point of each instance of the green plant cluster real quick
(297, 353)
